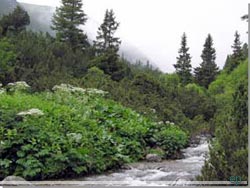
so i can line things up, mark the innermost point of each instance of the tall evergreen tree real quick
(237, 55)
(106, 48)
(237, 50)
(227, 62)
(15, 21)
(67, 20)
(245, 50)
(183, 66)
(106, 43)
(245, 17)
(206, 73)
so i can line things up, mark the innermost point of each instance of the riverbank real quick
(168, 170)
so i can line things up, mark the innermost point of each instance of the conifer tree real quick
(206, 73)
(183, 66)
(66, 22)
(15, 21)
(237, 55)
(227, 62)
(237, 50)
(106, 43)
(245, 51)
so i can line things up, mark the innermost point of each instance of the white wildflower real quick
(72, 89)
(18, 86)
(75, 136)
(33, 111)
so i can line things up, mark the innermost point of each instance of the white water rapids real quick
(142, 173)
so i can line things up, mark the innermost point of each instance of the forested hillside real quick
(133, 110)
(229, 151)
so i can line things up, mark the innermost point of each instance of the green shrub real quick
(79, 134)
(171, 139)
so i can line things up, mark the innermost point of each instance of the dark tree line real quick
(206, 73)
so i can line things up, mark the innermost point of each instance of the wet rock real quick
(153, 158)
(16, 180)
(194, 141)
(13, 178)
(177, 155)
(126, 167)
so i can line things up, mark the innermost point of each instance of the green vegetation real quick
(183, 66)
(206, 73)
(14, 22)
(238, 54)
(80, 132)
(229, 151)
(66, 22)
(7, 56)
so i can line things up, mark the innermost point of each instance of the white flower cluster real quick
(75, 136)
(2, 91)
(96, 91)
(168, 122)
(153, 110)
(32, 112)
(18, 86)
(72, 89)
(68, 88)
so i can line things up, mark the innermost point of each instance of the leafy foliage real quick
(7, 59)
(229, 151)
(82, 133)
(78, 134)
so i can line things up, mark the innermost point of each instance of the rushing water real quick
(170, 170)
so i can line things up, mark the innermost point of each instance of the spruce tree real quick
(183, 66)
(227, 62)
(14, 22)
(106, 43)
(106, 48)
(206, 73)
(66, 22)
(237, 50)
(237, 55)
(245, 51)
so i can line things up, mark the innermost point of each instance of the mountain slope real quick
(40, 17)
(40, 21)
(7, 6)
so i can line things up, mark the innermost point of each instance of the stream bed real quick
(145, 173)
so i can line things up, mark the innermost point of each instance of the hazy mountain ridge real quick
(40, 21)
(40, 17)
(7, 6)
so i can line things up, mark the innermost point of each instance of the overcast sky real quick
(155, 26)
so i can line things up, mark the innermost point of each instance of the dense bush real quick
(229, 151)
(80, 133)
